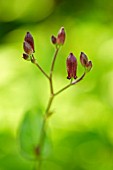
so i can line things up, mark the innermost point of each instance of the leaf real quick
(48, 148)
(29, 133)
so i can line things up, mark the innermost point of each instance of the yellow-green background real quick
(82, 126)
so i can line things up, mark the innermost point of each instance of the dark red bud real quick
(53, 39)
(89, 66)
(26, 57)
(28, 44)
(71, 63)
(83, 59)
(61, 36)
(27, 48)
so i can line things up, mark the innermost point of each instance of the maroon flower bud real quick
(27, 48)
(26, 57)
(60, 39)
(61, 36)
(89, 66)
(53, 39)
(71, 63)
(28, 44)
(83, 59)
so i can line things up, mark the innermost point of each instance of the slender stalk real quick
(42, 137)
(49, 104)
(75, 82)
(64, 88)
(52, 95)
(51, 86)
(40, 68)
(53, 62)
(47, 111)
(51, 70)
(72, 83)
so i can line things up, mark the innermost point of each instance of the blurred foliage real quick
(81, 129)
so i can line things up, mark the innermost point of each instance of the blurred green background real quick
(82, 127)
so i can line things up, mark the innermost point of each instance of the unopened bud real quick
(53, 39)
(83, 59)
(26, 57)
(71, 63)
(28, 44)
(60, 39)
(89, 66)
(61, 36)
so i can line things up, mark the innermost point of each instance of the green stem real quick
(53, 62)
(47, 112)
(51, 70)
(49, 105)
(52, 95)
(40, 68)
(72, 83)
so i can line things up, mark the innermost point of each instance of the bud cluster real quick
(60, 39)
(71, 62)
(28, 46)
(85, 63)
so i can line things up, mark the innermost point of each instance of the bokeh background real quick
(82, 127)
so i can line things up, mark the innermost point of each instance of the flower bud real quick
(60, 39)
(83, 59)
(28, 44)
(53, 39)
(71, 63)
(89, 66)
(61, 36)
(26, 57)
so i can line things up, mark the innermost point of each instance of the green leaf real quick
(29, 133)
(47, 148)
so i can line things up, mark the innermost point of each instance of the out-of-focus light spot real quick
(6, 66)
(109, 91)
(28, 11)
(106, 49)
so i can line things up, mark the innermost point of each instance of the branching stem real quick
(71, 84)
(52, 96)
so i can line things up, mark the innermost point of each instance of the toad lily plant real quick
(33, 129)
